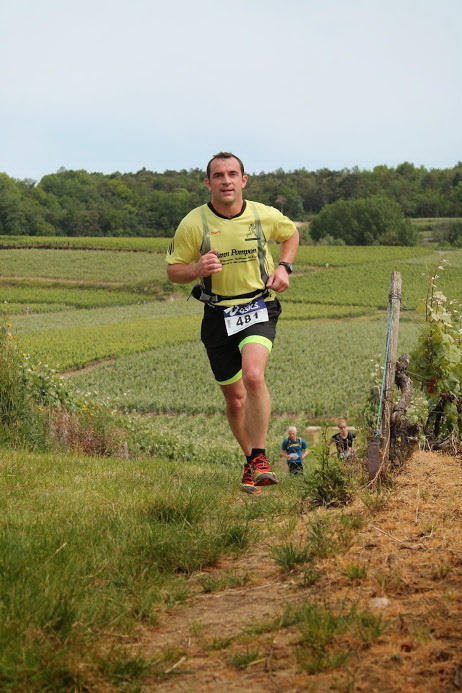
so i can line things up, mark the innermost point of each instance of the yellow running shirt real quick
(242, 244)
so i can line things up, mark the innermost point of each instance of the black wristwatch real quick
(289, 267)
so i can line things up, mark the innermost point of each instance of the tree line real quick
(148, 203)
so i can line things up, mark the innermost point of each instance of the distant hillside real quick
(147, 203)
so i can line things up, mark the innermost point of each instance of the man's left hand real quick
(278, 280)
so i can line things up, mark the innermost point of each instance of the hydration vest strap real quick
(205, 291)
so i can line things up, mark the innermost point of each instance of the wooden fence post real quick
(377, 459)
(394, 302)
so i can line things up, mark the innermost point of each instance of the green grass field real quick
(150, 245)
(92, 266)
(333, 322)
(94, 549)
(145, 354)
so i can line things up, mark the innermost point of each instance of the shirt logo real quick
(251, 233)
(213, 233)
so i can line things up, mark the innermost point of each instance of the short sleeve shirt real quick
(343, 444)
(294, 447)
(242, 244)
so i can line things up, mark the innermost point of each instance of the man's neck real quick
(228, 212)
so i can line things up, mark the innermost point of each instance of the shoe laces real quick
(260, 461)
(247, 477)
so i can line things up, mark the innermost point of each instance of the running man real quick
(224, 245)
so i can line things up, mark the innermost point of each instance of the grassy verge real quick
(92, 546)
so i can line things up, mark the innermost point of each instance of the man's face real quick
(292, 435)
(226, 182)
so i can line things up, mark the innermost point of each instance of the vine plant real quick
(437, 366)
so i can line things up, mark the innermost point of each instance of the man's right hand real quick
(180, 273)
(209, 264)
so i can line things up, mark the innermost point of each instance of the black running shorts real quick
(224, 351)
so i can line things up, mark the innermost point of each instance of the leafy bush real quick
(20, 418)
(374, 220)
(14, 398)
(304, 233)
(45, 385)
(437, 365)
(327, 483)
(38, 408)
(449, 233)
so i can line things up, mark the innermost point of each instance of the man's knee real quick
(235, 405)
(235, 399)
(254, 379)
(254, 360)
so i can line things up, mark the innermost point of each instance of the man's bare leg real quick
(248, 409)
(257, 409)
(258, 402)
(235, 397)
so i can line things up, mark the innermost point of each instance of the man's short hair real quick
(224, 155)
(291, 428)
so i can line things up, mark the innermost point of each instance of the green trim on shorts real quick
(232, 380)
(256, 339)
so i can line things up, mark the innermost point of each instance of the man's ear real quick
(207, 183)
(245, 178)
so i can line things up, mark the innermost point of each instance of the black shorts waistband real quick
(264, 295)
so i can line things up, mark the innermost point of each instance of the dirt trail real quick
(411, 547)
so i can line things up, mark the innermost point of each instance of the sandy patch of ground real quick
(411, 549)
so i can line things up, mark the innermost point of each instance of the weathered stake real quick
(379, 446)
(394, 302)
(373, 456)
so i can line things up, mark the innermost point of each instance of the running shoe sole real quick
(250, 488)
(265, 479)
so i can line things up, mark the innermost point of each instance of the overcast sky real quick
(118, 85)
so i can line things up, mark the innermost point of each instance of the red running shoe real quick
(263, 474)
(248, 484)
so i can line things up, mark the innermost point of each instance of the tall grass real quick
(38, 410)
(92, 546)
(20, 419)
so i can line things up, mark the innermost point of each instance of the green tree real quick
(450, 232)
(456, 199)
(13, 220)
(149, 203)
(366, 221)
